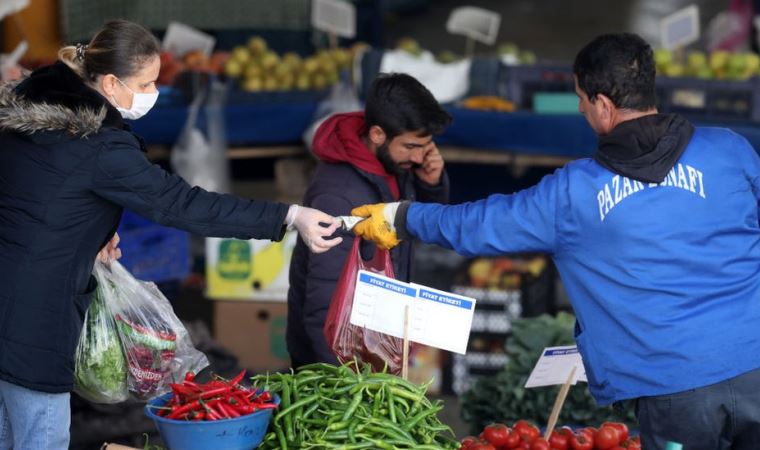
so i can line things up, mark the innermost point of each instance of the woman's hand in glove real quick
(314, 226)
(111, 252)
(379, 224)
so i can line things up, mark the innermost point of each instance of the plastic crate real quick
(153, 252)
(710, 99)
(485, 74)
(519, 83)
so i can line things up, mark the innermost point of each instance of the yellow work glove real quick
(378, 226)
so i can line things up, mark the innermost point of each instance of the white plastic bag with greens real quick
(156, 345)
(100, 371)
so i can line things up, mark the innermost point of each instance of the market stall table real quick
(484, 137)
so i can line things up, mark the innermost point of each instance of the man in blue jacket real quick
(657, 242)
(385, 153)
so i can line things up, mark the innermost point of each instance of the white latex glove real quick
(308, 222)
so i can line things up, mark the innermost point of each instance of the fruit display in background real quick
(511, 54)
(260, 69)
(508, 52)
(194, 61)
(410, 46)
(719, 64)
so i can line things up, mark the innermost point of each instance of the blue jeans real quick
(722, 416)
(33, 420)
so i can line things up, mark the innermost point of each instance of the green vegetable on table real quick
(329, 407)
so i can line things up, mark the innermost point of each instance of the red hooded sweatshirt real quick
(338, 140)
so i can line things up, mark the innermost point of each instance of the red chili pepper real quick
(189, 376)
(231, 412)
(184, 409)
(220, 409)
(200, 416)
(238, 378)
(245, 409)
(215, 392)
(267, 406)
(241, 398)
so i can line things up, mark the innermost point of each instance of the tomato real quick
(523, 445)
(617, 447)
(581, 441)
(482, 445)
(513, 440)
(526, 430)
(566, 431)
(606, 438)
(632, 444)
(621, 427)
(497, 434)
(558, 441)
(539, 444)
(468, 442)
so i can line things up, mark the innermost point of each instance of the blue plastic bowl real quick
(240, 433)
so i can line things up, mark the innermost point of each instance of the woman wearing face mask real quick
(68, 165)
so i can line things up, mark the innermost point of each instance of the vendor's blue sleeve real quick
(520, 222)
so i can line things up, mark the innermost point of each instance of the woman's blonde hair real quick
(120, 47)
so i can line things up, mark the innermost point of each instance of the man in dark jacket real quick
(386, 153)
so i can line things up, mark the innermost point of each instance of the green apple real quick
(527, 57)
(696, 60)
(303, 83)
(663, 57)
(241, 55)
(233, 68)
(410, 46)
(253, 85)
(719, 60)
(257, 45)
(674, 70)
(508, 48)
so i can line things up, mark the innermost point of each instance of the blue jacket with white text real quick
(664, 277)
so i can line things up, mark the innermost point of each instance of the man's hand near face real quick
(431, 168)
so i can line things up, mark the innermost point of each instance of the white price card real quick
(380, 303)
(680, 28)
(442, 319)
(437, 318)
(555, 366)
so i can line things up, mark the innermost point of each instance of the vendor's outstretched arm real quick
(521, 222)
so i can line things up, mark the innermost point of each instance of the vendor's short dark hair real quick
(620, 66)
(398, 103)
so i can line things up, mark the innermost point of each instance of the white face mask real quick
(141, 103)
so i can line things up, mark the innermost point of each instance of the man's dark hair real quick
(620, 66)
(398, 103)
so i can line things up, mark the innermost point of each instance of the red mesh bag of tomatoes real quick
(347, 341)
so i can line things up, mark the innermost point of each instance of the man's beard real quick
(384, 156)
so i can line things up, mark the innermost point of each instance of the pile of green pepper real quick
(349, 407)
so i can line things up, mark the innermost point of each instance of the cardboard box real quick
(249, 270)
(254, 331)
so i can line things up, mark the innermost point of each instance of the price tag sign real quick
(555, 365)
(334, 16)
(680, 28)
(476, 23)
(180, 39)
(437, 318)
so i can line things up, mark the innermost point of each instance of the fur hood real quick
(55, 99)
